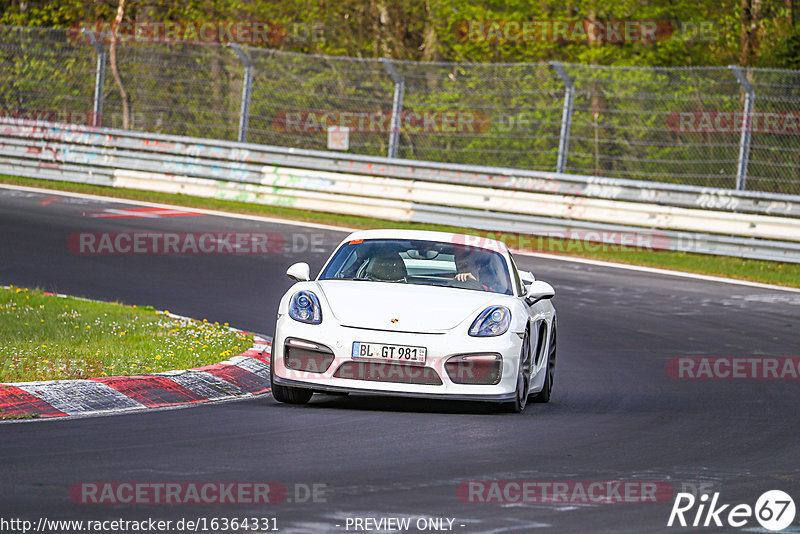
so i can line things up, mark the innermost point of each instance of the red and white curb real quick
(240, 376)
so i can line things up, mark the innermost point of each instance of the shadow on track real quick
(379, 403)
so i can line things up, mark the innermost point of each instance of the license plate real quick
(398, 353)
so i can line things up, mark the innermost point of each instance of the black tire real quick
(288, 394)
(523, 379)
(547, 389)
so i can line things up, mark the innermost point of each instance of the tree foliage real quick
(691, 32)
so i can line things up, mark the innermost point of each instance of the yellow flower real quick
(158, 357)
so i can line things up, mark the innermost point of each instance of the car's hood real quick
(402, 307)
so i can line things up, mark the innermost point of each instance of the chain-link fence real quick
(711, 126)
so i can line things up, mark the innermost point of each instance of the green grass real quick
(8, 416)
(45, 337)
(785, 274)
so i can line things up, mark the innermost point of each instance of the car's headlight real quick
(493, 321)
(305, 308)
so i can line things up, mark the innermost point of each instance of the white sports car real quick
(416, 314)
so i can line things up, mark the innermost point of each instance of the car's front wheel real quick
(523, 379)
(547, 389)
(288, 394)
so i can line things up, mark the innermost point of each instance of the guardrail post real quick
(566, 115)
(99, 80)
(747, 125)
(397, 106)
(247, 86)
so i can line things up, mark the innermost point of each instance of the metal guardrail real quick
(667, 194)
(495, 198)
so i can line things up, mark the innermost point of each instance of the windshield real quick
(420, 262)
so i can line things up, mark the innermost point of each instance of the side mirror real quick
(299, 272)
(527, 277)
(537, 291)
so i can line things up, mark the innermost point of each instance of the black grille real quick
(306, 360)
(474, 372)
(387, 372)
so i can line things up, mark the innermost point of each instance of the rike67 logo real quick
(774, 510)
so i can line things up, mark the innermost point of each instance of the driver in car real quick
(465, 264)
(478, 263)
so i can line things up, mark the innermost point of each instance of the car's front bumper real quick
(505, 397)
(440, 347)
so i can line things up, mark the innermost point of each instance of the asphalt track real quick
(616, 414)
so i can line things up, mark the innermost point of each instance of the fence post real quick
(397, 106)
(99, 80)
(566, 115)
(747, 124)
(247, 85)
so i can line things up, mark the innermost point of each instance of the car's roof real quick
(427, 235)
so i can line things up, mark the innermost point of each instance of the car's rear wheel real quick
(288, 394)
(523, 379)
(547, 389)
